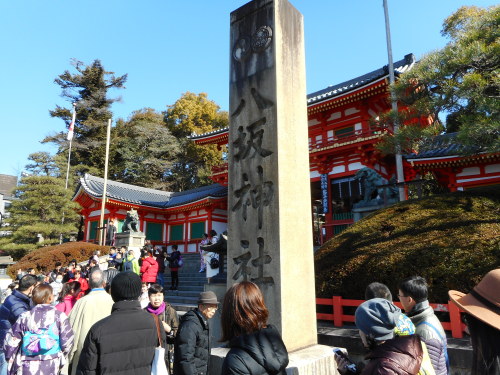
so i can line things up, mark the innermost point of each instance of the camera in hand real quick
(351, 367)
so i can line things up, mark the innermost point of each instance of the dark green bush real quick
(452, 240)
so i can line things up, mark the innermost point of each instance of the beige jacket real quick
(87, 311)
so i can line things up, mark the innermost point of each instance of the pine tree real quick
(460, 83)
(88, 88)
(36, 216)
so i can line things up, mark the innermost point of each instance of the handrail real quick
(344, 138)
(455, 325)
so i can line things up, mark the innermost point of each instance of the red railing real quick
(455, 325)
(219, 168)
(346, 137)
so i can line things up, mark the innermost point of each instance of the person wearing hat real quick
(86, 312)
(482, 316)
(125, 341)
(376, 320)
(192, 343)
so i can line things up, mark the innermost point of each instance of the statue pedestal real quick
(360, 211)
(133, 241)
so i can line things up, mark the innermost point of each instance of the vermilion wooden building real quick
(165, 218)
(342, 136)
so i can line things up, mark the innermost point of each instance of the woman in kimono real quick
(40, 340)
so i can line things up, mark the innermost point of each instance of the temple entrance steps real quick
(191, 284)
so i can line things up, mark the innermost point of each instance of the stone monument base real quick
(313, 360)
(133, 241)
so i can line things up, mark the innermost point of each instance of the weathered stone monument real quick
(269, 211)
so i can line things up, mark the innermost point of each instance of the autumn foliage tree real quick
(194, 114)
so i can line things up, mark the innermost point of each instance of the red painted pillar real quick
(455, 320)
(337, 311)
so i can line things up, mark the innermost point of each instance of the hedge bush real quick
(452, 240)
(44, 258)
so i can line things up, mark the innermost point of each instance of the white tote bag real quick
(158, 367)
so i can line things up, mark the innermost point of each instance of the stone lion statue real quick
(131, 222)
(372, 182)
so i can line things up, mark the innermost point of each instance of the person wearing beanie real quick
(125, 341)
(86, 312)
(192, 343)
(376, 320)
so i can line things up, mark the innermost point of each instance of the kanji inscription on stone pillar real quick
(269, 223)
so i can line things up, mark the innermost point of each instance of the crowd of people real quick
(115, 321)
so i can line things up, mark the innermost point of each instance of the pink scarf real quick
(156, 311)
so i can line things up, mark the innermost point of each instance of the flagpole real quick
(399, 158)
(70, 138)
(104, 192)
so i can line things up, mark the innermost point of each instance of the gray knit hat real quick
(207, 298)
(377, 318)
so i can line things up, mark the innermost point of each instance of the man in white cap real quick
(192, 343)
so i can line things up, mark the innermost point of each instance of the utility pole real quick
(70, 139)
(399, 158)
(102, 239)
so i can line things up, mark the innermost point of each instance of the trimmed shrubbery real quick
(452, 240)
(44, 258)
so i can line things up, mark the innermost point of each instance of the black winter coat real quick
(191, 351)
(259, 353)
(122, 343)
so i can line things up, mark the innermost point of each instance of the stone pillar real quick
(269, 213)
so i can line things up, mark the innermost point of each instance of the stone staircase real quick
(191, 284)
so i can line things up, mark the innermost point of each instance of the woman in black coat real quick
(255, 347)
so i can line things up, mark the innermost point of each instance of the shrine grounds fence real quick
(339, 316)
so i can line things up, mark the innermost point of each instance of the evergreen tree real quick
(145, 150)
(36, 216)
(88, 88)
(194, 113)
(460, 82)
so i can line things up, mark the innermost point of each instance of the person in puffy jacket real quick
(255, 347)
(123, 343)
(376, 320)
(192, 342)
(13, 306)
(130, 263)
(149, 268)
(413, 297)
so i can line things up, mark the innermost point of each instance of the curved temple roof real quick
(400, 67)
(94, 186)
(330, 92)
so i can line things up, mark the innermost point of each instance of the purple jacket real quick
(41, 316)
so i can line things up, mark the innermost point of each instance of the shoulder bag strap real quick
(157, 323)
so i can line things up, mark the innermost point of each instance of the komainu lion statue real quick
(372, 182)
(131, 222)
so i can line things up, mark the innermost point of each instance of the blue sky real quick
(169, 47)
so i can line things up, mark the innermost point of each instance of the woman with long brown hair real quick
(255, 346)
